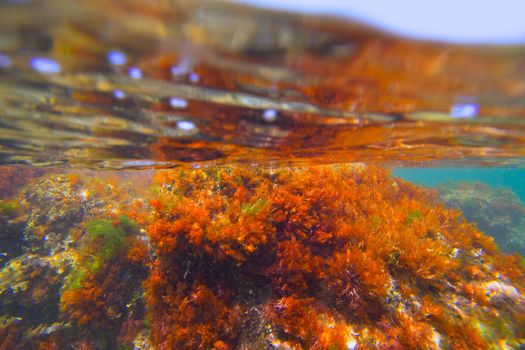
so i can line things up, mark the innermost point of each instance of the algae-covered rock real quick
(58, 232)
(101, 296)
(241, 258)
(11, 230)
(323, 257)
(55, 206)
(30, 288)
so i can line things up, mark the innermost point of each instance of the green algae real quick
(253, 209)
(376, 221)
(413, 216)
(75, 279)
(8, 208)
(128, 225)
(109, 238)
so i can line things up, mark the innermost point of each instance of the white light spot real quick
(5, 62)
(135, 73)
(117, 58)
(84, 195)
(464, 110)
(177, 102)
(45, 65)
(270, 115)
(186, 125)
(194, 77)
(119, 94)
(351, 344)
(436, 338)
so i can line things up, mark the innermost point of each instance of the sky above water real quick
(460, 21)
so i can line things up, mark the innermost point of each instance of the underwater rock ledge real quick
(497, 211)
(320, 257)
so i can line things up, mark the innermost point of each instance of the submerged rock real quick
(45, 233)
(56, 205)
(501, 290)
(326, 257)
(497, 211)
(12, 224)
(30, 288)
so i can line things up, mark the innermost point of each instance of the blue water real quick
(513, 178)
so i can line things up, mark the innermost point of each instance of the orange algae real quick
(324, 257)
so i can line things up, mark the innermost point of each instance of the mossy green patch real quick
(8, 208)
(376, 221)
(253, 209)
(75, 279)
(128, 225)
(413, 216)
(108, 236)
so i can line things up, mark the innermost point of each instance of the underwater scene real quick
(205, 174)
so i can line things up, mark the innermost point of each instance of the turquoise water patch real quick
(494, 177)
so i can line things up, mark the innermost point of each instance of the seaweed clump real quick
(100, 294)
(325, 257)
(72, 262)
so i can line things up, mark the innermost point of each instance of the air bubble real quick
(117, 58)
(464, 110)
(5, 62)
(270, 115)
(119, 94)
(186, 125)
(194, 78)
(45, 65)
(177, 102)
(135, 73)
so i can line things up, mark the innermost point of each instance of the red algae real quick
(323, 257)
